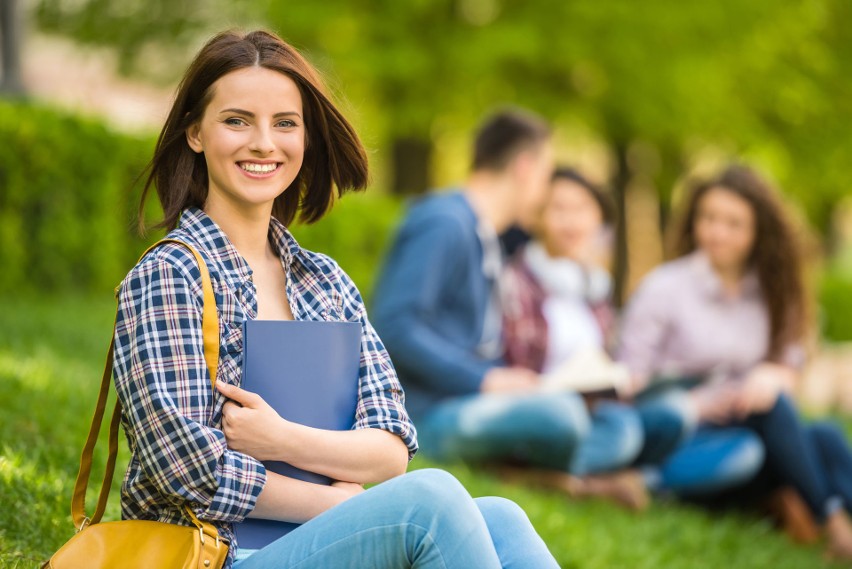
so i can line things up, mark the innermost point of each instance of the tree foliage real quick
(769, 80)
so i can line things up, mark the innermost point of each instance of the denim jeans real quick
(686, 459)
(553, 431)
(424, 520)
(775, 446)
(835, 459)
(667, 422)
(814, 459)
(712, 460)
(613, 440)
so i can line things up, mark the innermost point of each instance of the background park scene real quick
(642, 95)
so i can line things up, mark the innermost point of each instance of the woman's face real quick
(572, 221)
(252, 135)
(725, 228)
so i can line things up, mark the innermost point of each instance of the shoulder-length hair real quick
(775, 254)
(334, 156)
(602, 199)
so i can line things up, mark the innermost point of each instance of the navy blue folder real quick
(308, 372)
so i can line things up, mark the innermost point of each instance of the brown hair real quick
(603, 200)
(775, 254)
(333, 157)
(504, 135)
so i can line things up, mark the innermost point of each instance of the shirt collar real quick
(213, 240)
(709, 283)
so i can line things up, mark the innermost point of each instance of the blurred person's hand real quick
(715, 403)
(634, 384)
(761, 387)
(509, 379)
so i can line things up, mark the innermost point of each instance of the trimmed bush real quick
(68, 201)
(66, 205)
(835, 302)
(355, 234)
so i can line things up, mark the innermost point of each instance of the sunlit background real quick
(643, 95)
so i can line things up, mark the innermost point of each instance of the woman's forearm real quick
(363, 456)
(289, 500)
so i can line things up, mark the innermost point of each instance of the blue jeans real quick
(424, 520)
(613, 440)
(687, 459)
(714, 459)
(667, 422)
(814, 459)
(553, 431)
(835, 458)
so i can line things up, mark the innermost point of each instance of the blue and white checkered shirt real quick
(171, 415)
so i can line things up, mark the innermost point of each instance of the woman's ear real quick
(193, 137)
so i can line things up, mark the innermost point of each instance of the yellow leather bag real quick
(140, 544)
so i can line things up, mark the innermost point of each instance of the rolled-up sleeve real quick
(381, 400)
(165, 391)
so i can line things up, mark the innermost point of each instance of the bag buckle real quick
(86, 521)
(201, 535)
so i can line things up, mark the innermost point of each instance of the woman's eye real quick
(286, 123)
(234, 121)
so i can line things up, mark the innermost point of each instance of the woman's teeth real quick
(258, 168)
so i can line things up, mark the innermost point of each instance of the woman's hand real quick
(250, 425)
(761, 388)
(509, 380)
(349, 489)
(714, 403)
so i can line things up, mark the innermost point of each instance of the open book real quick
(589, 372)
(308, 372)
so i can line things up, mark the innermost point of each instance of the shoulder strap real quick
(210, 329)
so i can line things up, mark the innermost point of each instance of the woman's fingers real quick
(238, 394)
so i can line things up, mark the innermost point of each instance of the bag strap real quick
(210, 329)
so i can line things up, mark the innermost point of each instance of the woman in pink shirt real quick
(730, 315)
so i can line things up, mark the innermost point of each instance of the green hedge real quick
(835, 304)
(65, 200)
(356, 234)
(68, 199)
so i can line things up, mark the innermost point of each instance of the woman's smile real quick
(260, 170)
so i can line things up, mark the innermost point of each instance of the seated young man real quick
(437, 307)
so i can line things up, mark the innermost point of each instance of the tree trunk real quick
(620, 182)
(412, 159)
(10, 48)
(671, 168)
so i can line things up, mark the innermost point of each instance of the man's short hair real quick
(504, 135)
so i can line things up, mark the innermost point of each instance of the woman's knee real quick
(784, 408)
(565, 415)
(559, 420)
(828, 438)
(744, 458)
(500, 512)
(431, 485)
(623, 424)
(671, 414)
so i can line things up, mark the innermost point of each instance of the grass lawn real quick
(51, 353)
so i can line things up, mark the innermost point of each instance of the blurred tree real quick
(660, 81)
(150, 37)
(10, 48)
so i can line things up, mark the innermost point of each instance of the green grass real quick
(51, 353)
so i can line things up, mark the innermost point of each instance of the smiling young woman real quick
(251, 143)
(725, 322)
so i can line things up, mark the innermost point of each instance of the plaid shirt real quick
(171, 415)
(525, 328)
